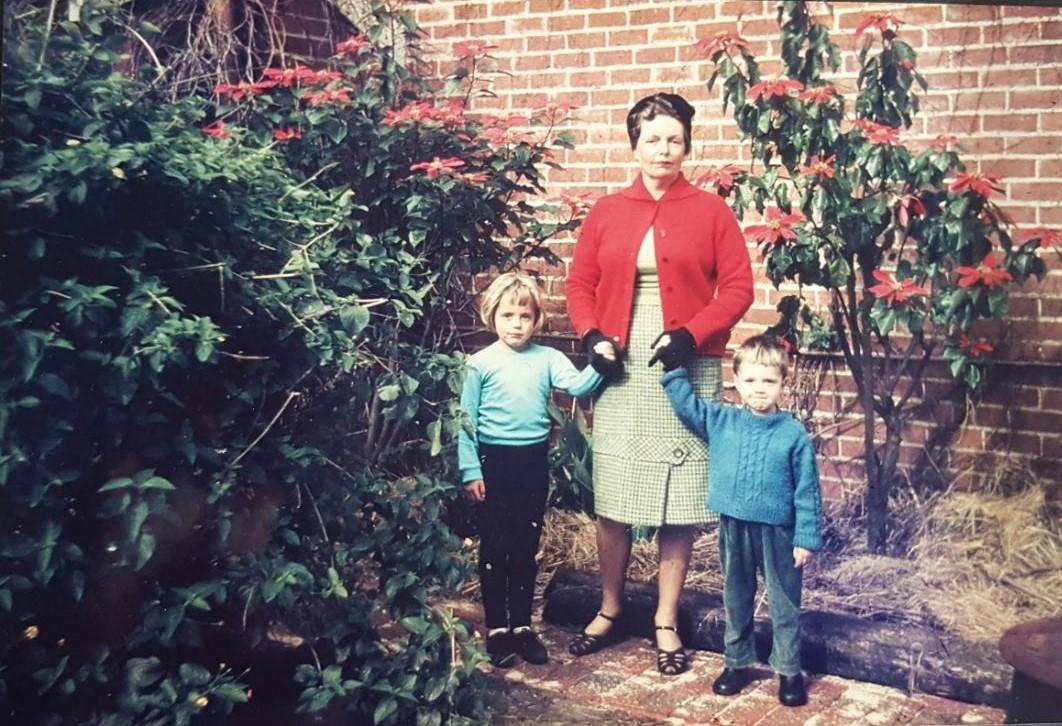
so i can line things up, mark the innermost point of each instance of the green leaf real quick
(231, 692)
(145, 549)
(384, 710)
(435, 436)
(120, 483)
(389, 393)
(194, 674)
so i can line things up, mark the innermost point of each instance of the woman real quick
(661, 270)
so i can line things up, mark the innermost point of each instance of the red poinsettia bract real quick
(238, 91)
(719, 178)
(326, 96)
(1048, 237)
(287, 134)
(575, 204)
(217, 130)
(881, 22)
(892, 290)
(778, 88)
(353, 45)
(710, 45)
(974, 349)
(471, 49)
(877, 133)
(909, 205)
(438, 166)
(819, 167)
(777, 229)
(819, 94)
(986, 273)
(944, 141)
(978, 183)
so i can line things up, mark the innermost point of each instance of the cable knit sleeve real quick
(467, 440)
(580, 287)
(697, 414)
(807, 497)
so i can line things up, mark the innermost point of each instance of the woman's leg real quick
(613, 556)
(676, 544)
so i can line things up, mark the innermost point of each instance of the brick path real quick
(621, 685)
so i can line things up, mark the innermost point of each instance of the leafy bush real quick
(227, 399)
(914, 257)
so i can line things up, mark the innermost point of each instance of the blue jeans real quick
(745, 547)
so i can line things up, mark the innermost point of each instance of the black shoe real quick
(791, 691)
(500, 650)
(731, 681)
(528, 646)
(585, 644)
(671, 662)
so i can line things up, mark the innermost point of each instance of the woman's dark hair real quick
(660, 104)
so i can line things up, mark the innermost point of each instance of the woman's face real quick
(661, 148)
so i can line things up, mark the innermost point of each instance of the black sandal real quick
(585, 644)
(671, 662)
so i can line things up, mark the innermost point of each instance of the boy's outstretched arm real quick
(694, 412)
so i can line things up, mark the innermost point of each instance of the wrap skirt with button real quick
(649, 470)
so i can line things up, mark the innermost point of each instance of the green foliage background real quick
(227, 388)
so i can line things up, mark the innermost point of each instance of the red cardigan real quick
(701, 259)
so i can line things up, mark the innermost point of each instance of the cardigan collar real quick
(679, 189)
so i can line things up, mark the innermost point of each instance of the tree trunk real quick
(876, 500)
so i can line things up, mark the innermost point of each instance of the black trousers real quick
(510, 524)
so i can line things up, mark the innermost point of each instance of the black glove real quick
(608, 368)
(679, 349)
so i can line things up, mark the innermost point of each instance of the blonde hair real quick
(765, 350)
(517, 287)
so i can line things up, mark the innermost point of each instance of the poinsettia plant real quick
(914, 253)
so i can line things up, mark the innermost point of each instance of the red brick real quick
(975, 13)
(1036, 53)
(686, 13)
(663, 54)
(1011, 122)
(1040, 191)
(980, 100)
(966, 124)
(585, 40)
(606, 20)
(651, 16)
(1014, 441)
(1050, 76)
(636, 36)
(1018, 11)
(523, 25)
(470, 11)
(1013, 33)
(1028, 99)
(629, 75)
(1051, 31)
(507, 8)
(964, 35)
(1008, 168)
(566, 22)
(612, 58)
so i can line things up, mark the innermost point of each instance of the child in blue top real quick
(764, 483)
(503, 457)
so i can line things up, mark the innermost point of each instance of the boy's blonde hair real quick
(516, 286)
(766, 350)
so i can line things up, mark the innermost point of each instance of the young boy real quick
(504, 457)
(764, 483)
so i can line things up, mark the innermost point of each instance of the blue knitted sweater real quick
(762, 466)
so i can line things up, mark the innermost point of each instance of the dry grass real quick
(979, 563)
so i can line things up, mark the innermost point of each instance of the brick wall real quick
(995, 75)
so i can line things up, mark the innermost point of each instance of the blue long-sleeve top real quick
(506, 394)
(762, 467)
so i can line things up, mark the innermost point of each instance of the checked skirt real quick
(649, 470)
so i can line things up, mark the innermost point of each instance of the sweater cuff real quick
(671, 375)
(471, 474)
(811, 542)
